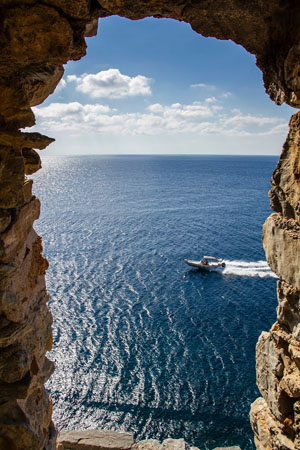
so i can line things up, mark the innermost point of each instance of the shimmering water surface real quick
(142, 342)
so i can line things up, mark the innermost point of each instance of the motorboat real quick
(209, 263)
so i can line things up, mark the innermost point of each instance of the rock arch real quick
(36, 39)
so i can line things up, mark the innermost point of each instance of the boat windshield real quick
(211, 258)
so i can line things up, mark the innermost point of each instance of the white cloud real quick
(211, 100)
(282, 129)
(204, 86)
(198, 118)
(63, 110)
(61, 85)
(156, 108)
(111, 83)
(240, 120)
(194, 110)
(226, 94)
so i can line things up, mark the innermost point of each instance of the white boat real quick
(209, 263)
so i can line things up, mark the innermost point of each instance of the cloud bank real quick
(198, 118)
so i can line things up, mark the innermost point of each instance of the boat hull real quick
(211, 267)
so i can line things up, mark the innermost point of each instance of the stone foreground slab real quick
(114, 440)
(94, 440)
(235, 447)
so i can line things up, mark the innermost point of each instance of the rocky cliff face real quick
(276, 417)
(36, 39)
(25, 321)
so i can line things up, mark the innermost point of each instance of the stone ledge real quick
(94, 440)
(235, 447)
(115, 440)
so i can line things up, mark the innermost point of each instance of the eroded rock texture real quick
(25, 320)
(113, 440)
(36, 39)
(276, 417)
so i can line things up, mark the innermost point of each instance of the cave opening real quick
(123, 388)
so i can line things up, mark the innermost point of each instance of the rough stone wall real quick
(36, 39)
(275, 418)
(25, 320)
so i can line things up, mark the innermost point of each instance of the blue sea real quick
(142, 342)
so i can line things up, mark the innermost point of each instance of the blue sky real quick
(154, 86)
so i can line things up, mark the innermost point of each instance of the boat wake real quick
(248, 269)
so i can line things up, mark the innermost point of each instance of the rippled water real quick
(142, 342)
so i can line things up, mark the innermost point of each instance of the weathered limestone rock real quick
(32, 161)
(275, 420)
(113, 440)
(39, 82)
(5, 219)
(18, 140)
(285, 192)
(15, 110)
(25, 320)
(94, 440)
(234, 447)
(175, 444)
(31, 31)
(148, 444)
(281, 238)
(281, 231)
(268, 432)
(288, 311)
(270, 370)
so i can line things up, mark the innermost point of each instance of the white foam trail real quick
(248, 269)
